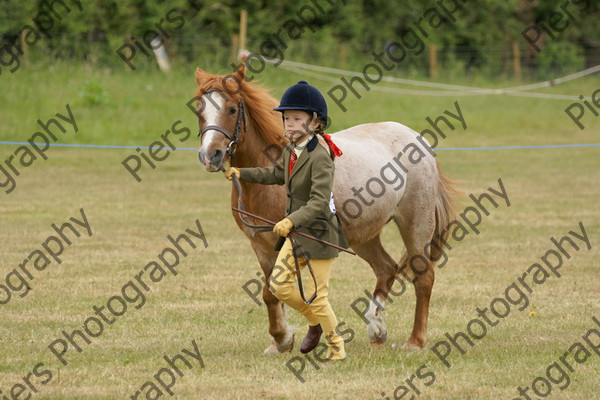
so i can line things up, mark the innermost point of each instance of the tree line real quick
(460, 36)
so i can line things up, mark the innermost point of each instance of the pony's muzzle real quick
(213, 160)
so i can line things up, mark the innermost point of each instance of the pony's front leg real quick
(283, 334)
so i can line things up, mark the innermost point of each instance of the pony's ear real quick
(201, 76)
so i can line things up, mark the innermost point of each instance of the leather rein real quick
(253, 228)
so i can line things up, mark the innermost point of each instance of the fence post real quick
(516, 60)
(343, 54)
(243, 28)
(432, 61)
(234, 48)
(25, 48)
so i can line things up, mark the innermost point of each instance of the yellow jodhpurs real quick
(319, 311)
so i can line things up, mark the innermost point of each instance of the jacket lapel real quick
(299, 163)
(286, 161)
(310, 146)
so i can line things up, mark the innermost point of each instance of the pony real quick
(388, 172)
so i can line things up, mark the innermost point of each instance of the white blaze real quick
(213, 105)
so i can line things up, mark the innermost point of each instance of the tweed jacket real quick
(309, 203)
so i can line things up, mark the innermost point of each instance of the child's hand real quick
(283, 227)
(232, 171)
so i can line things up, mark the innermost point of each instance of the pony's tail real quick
(445, 211)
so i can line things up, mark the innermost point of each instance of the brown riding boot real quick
(311, 340)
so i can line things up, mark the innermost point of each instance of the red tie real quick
(293, 158)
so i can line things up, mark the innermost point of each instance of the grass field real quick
(550, 191)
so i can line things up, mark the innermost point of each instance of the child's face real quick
(298, 125)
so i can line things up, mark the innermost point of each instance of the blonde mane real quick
(259, 104)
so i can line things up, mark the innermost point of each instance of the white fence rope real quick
(448, 89)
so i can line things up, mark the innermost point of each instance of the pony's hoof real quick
(377, 345)
(287, 345)
(271, 350)
(274, 349)
(377, 331)
(376, 328)
(410, 346)
(379, 339)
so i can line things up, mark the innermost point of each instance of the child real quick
(306, 169)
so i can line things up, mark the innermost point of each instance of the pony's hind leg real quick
(417, 230)
(384, 267)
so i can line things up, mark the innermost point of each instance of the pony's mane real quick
(259, 104)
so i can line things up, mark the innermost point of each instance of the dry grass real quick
(550, 192)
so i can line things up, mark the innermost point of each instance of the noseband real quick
(233, 139)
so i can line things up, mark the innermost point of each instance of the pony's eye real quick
(232, 110)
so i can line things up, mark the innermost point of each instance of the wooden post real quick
(234, 48)
(160, 54)
(24, 48)
(243, 28)
(516, 60)
(432, 61)
(343, 54)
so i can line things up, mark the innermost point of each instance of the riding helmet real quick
(305, 97)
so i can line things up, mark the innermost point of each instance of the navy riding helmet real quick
(304, 97)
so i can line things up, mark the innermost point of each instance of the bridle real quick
(253, 228)
(233, 139)
(231, 148)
